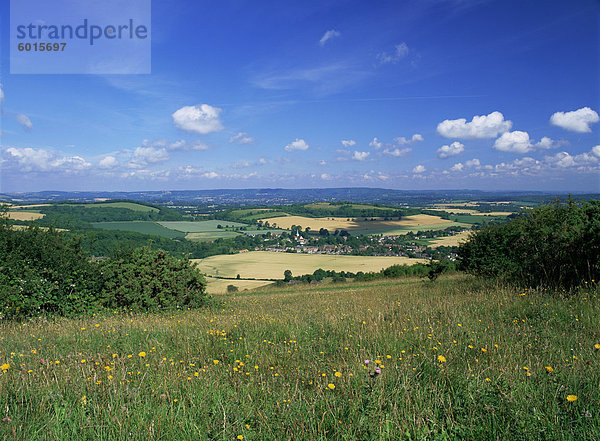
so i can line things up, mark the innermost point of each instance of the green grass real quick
(200, 226)
(141, 227)
(258, 365)
(128, 205)
(207, 236)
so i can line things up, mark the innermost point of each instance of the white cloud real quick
(40, 160)
(419, 169)
(24, 121)
(575, 121)
(328, 36)
(201, 119)
(400, 51)
(417, 137)
(596, 151)
(348, 142)
(397, 152)
(548, 143)
(184, 146)
(457, 167)
(108, 162)
(514, 142)
(143, 156)
(473, 163)
(210, 175)
(325, 176)
(1, 93)
(360, 156)
(241, 138)
(483, 126)
(298, 144)
(376, 144)
(446, 151)
(322, 162)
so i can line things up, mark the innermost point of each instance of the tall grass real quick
(458, 359)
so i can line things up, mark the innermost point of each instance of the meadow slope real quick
(454, 359)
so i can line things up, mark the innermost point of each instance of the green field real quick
(201, 226)
(206, 236)
(143, 227)
(271, 265)
(129, 205)
(457, 359)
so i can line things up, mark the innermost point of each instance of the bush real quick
(144, 279)
(554, 246)
(42, 272)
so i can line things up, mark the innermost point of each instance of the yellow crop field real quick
(15, 207)
(219, 286)
(471, 212)
(24, 215)
(271, 265)
(450, 241)
(354, 224)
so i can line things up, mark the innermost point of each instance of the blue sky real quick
(422, 94)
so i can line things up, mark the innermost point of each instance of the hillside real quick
(456, 359)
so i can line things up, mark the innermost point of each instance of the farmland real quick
(24, 215)
(362, 226)
(141, 227)
(271, 265)
(129, 205)
(454, 359)
(201, 226)
(450, 241)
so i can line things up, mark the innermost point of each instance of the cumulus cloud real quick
(419, 169)
(376, 144)
(143, 156)
(24, 121)
(348, 142)
(210, 175)
(457, 167)
(549, 143)
(360, 156)
(201, 119)
(40, 160)
(566, 160)
(241, 138)
(298, 144)
(400, 51)
(473, 163)
(596, 151)
(417, 137)
(446, 151)
(397, 152)
(576, 121)
(328, 36)
(480, 127)
(108, 162)
(514, 142)
(325, 176)
(1, 93)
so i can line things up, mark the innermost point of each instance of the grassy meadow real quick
(453, 359)
(144, 227)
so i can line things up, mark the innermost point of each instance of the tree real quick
(232, 288)
(287, 275)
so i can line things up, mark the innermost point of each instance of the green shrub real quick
(42, 272)
(144, 279)
(554, 246)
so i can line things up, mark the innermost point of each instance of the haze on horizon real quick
(436, 94)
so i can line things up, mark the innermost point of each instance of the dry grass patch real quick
(450, 241)
(219, 286)
(24, 215)
(271, 265)
(353, 224)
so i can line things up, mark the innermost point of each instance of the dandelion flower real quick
(441, 359)
(240, 437)
(216, 361)
(597, 346)
(572, 398)
(488, 380)
(142, 354)
(338, 374)
(331, 386)
(549, 369)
